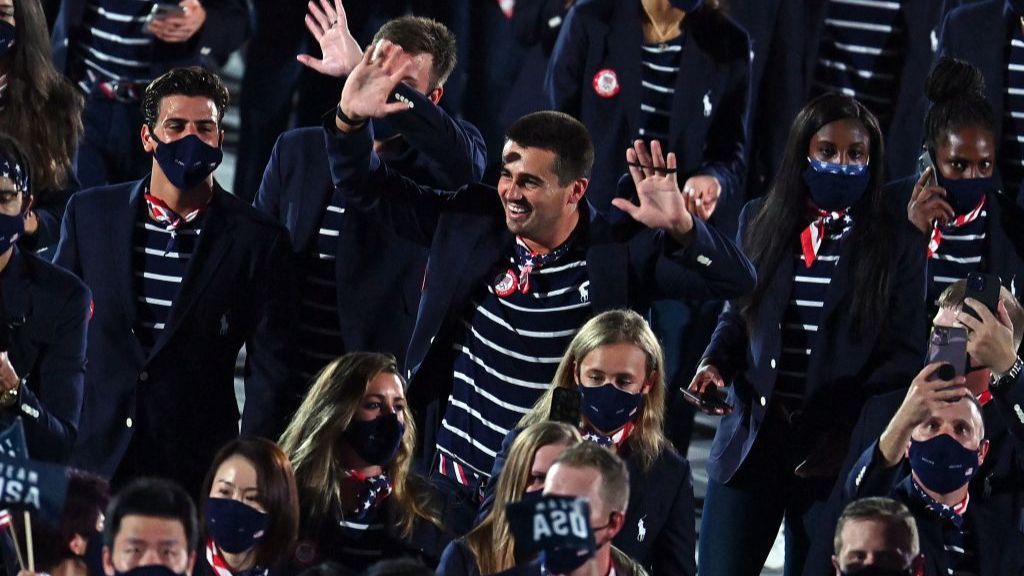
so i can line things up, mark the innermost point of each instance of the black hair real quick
(191, 81)
(773, 231)
(956, 90)
(418, 35)
(153, 497)
(560, 133)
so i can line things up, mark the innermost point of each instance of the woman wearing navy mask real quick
(835, 317)
(42, 110)
(489, 548)
(615, 365)
(953, 201)
(250, 509)
(351, 442)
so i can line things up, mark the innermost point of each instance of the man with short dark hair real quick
(875, 532)
(514, 272)
(361, 281)
(182, 273)
(151, 522)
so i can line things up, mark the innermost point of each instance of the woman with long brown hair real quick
(43, 112)
(351, 443)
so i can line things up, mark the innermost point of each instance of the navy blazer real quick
(467, 235)
(177, 405)
(659, 526)
(378, 273)
(707, 130)
(48, 309)
(995, 531)
(843, 369)
(787, 35)
(225, 28)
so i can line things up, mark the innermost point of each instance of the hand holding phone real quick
(948, 345)
(928, 203)
(705, 391)
(985, 289)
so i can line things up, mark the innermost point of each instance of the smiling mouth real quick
(518, 209)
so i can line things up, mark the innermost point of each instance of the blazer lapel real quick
(695, 70)
(214, 243)
(122, 243)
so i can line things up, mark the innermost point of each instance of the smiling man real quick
(182, 273)
(514, 272)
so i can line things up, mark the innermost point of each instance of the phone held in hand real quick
(924, 161)
(712, 399)
(948, 345)
(165, 10)
(565, 406)
(985, 289)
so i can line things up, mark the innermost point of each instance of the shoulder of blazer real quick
(597, 10)
(718, 35)
(243, 213)
(51, 279)
(669, 466)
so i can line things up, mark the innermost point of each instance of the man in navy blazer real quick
(182, 274)
(539, 222)
(43, 319)
(378, 274)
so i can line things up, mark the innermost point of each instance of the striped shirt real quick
(802, 316)
(116, 46)
(860, 53)
(960, 253)
(319, 331)
(504, 357)
(160, 258)
(1011, 153)
(660, 67)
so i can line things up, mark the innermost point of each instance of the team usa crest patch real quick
(606, 83)
(505, 284)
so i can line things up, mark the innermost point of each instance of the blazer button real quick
(143, 376)
(764, 401)
(128, 422)
(773, 363)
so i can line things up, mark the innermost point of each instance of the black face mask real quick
(376, 441)
(964, 194)
(877, 571)
(149, 570)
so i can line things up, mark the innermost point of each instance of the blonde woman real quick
(489, 548)
(351, 443)
(616, 365)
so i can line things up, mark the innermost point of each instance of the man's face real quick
(537, 207)
(147, 541)
(12, 202)
(870, 542)
(960, 419)
(584, 483)
(182, 116)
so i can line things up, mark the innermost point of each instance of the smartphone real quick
(985, 289)
(924, 161)
(949, 346)
(165, 10)
(565, 406)
(712, 399)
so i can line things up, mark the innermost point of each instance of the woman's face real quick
(383, 396)
(967, 153)
(844, 141)
(542, 461)
(7, 11)
(236, 479)
(623, 365)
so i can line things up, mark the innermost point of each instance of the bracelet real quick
(997, 382)
(341, 116)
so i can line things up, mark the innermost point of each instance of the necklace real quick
(660, 35)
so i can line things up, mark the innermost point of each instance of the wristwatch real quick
(9, 398)
(1008, 377)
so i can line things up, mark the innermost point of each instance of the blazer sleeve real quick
(49, 211)
(268, 197)
(273, 390)
(225, 29)
(724, 155)
(67, 247)
(677, 541)
(456, 148)
(563, 79)
(870, 477)
(52, 402)
(1009, 401)
(456, 560)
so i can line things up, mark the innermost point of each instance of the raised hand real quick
(928, 204)
(989, 340)
(661, 205)
(701, 193)
(926, 395)
(366, 91)
(329, 26)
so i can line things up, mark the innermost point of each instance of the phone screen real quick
(924, 161)
(565, 406)
(949, 345)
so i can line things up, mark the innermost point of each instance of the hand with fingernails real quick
(927, 394)
(702, 192)
(329, 26)
(179, 28)
(989, 340)
(928, 203)
(707, 382)
(366, 91)
(661, 204)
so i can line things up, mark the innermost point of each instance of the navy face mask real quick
(7, 36)
(234, 526)
(532, 497)
(687, 5)
(376, 441)
(607, 408)
(942, 464)
(187, 161)
(149, 570)
(877, 571)
(11, 228)
(964, 194)
(835, 187)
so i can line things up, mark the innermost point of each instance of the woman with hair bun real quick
(953, 200)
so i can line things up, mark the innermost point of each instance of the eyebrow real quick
(510, 157)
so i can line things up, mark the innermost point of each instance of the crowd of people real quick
(470, 305)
